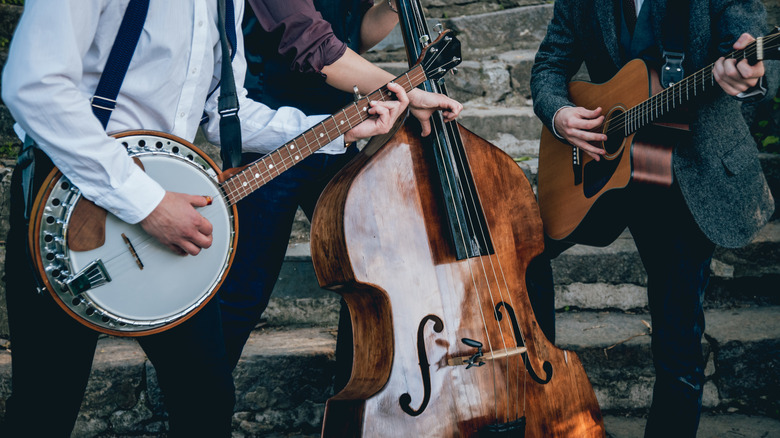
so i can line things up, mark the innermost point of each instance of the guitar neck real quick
(689, 88)
(256, 174)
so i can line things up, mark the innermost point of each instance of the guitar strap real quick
(104, 100)
(675, 35)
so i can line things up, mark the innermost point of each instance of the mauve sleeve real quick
(306, 37)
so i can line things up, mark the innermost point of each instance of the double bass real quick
(427, 240)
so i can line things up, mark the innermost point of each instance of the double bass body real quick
(443, 346)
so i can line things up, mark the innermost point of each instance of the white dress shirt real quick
(54, 64)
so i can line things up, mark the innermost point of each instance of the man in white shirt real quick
(56, 58)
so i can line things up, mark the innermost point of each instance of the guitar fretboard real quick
(686, 90)
(273, 164)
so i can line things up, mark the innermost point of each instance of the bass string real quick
(412, 16)
(453, 135)
(496, 271)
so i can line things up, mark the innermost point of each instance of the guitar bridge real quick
(92, 276)
(576, 165)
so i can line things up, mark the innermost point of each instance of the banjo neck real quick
(240, 182)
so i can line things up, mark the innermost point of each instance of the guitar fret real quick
(257, 174)
(346, 117)
(294, 151)
(309, 138)
(276, 162)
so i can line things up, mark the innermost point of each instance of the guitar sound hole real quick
(614, 139)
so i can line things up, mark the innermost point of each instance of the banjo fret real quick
(140, 288)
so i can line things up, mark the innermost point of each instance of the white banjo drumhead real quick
(149, 282)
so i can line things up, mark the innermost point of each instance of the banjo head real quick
(131, 284)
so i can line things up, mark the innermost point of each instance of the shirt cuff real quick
(135, 199)
(552, 123)
(754, 93)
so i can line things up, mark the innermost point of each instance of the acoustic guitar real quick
(579, 197)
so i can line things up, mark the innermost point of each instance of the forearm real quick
(378, 22)
(352, 69)
(556, 60)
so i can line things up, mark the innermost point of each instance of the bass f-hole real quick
(405, 400)
(546, 365)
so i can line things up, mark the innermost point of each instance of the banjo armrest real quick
(88, 224)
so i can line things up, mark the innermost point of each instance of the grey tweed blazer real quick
(719, 173)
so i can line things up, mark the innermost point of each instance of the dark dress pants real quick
(265, 223)
(676, 256)
(52, 355)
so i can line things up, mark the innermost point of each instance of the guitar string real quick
(453, 136)
(646, 111)
(417, 21)
(669, 95)
(451, 127)
(499, 277)
(237, 189)
(143, 241)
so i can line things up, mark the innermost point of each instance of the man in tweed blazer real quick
(720, 195)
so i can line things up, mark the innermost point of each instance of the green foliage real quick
(767, 132)
(9, 149)
(12, 2)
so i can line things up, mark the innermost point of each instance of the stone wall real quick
(498, 41)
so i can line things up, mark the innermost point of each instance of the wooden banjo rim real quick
(34, 230)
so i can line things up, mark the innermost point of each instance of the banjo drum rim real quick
(34, 230)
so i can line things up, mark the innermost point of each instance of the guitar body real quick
(114, 277)
(379, 240)
(581, 204)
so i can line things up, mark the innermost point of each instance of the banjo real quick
(115, 278)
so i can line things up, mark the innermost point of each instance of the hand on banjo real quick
(177, 225)
(384, 115)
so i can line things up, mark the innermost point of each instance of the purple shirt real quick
(306, 36)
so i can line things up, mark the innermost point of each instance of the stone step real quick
(285, 375)
(481, 35)
(500, 79)
(586, 277)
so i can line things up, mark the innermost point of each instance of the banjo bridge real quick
(92, 276)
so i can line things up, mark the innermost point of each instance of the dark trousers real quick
(676, 256)
(265, 222)
(52, 355)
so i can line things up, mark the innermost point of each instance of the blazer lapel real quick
(657, 15)
(606, 12)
